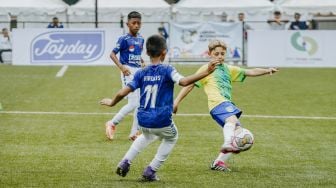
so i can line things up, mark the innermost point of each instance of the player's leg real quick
(134, 99)
(226, 115)
(228, 132)
(137, 146)
(110, 126)
(169, 136)
(221, 162)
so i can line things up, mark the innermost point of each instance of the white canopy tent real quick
(153, 11)
(307, 7)
(112, 10)
(217, 10)
(33, 10)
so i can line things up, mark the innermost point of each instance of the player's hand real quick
(212, 65)
(125, 71)
(106, 102)
(143, 65)
(272, 70)
(175, 108)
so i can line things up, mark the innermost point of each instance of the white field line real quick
(62, 71)
(105, 113)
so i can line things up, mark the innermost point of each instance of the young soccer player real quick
(156, 83)
(130, 47)
(218, 86)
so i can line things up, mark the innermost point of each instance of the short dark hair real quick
(297, 14)
(133, 14)
(277, 13)
(155, 45)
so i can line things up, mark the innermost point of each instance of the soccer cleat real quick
(135, 136)
(110, 129)
(220, 166)
(226, 148)
(149, 175)
(123, 168)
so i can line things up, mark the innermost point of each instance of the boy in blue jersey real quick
(130, 48)
(156, 83)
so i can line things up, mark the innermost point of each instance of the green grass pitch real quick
(44, 150)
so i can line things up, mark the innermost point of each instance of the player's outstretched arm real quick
(118, 97)
(183, 93)
(260, 71)
(195, 77)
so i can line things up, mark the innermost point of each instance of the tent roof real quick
(118, 7)
(217, 7)
(308, 6)
(29, 7)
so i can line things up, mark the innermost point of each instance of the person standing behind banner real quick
(241, 19)
(277, 23)
(5, 43)
(163, 32)
(55, 23)
(297, 24)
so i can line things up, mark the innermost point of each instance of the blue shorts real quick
(223, 111)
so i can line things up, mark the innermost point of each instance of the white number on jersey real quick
(151, 93)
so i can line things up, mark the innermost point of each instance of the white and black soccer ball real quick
(243, 139)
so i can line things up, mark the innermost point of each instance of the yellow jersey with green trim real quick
(218, 85)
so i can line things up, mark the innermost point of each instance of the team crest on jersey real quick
(229, 109)
(131, 48)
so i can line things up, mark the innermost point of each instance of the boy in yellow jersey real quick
(218, 86)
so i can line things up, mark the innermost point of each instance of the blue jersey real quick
(156, 83)
(130, 49)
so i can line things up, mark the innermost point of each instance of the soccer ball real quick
(243, 139)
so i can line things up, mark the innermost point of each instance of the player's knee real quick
(171, 140)
(232, 120)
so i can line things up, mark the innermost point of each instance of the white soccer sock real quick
(135, 125)
(228, 132)
(123, 112)
(224, 156)
(163, 152)
(139, 145)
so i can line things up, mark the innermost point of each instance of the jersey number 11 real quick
(151, 93)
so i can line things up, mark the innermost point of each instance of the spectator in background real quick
(277, 23)
(55, 23)
(5, 43)
(241, 18)
(163, 32)
(297, 24)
